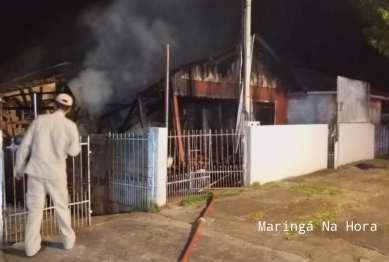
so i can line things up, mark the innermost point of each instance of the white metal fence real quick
(131, 176)
(14, 202)
(199, 161)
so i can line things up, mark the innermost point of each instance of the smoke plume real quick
(131, 39)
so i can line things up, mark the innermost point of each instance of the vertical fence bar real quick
(126, 175)
(3, 222)
(14, 190)
(120, 169)
(73, 208)
(133, 169)
(110, 166)
(81, 186)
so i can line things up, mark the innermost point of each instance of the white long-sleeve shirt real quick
(48, 141)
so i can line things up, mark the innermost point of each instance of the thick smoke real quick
(131, 42)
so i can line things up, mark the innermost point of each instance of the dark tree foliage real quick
(376, 15)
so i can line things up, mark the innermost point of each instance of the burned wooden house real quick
(204, 147)
(204, 95)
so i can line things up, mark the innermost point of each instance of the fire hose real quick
(200, 224)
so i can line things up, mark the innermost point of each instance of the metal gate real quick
(131, 175)
(14, 196)
(199, 161)
(332, 139)
(381, 140)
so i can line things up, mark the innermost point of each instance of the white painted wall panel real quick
(356, 142)
(278, 152)
(353, 101)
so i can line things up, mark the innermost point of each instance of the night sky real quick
(322, 35)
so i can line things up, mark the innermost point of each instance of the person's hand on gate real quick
(18, 176)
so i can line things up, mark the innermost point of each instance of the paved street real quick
(150, 237)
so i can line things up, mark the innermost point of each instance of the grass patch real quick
(219, 194)
(316, 189)
(193, 199)
(228, 193)
(154, 208)
(351, 205)
(253, 217)
(360, 256)
(256, 185)
(270, 184)
(320, 218)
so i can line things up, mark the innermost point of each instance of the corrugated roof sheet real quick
(319, 82)
(315, 81)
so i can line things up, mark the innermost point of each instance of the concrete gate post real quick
(250, 175)
(158, 159)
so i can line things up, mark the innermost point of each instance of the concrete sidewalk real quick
(150, 237)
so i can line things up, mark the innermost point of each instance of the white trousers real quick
(37, 189)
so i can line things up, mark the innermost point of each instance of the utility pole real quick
(167, 87)
(247, 59)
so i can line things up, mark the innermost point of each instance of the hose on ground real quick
(200, 224)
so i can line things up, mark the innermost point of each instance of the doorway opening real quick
(264, 112)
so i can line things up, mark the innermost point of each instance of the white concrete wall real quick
(356, 142)
(278, 152)
(353, 101)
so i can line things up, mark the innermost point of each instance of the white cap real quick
(64, 99)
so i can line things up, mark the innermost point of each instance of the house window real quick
(264, 112)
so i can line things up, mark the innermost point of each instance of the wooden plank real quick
(181, 153)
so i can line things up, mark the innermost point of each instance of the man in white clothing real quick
(48, 141)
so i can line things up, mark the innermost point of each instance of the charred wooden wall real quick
(207, 114)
